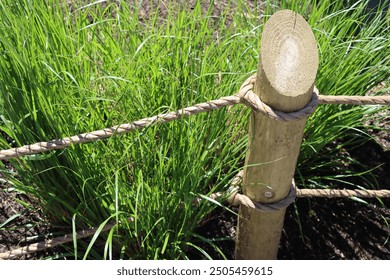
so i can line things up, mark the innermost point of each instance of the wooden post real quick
(285, 81)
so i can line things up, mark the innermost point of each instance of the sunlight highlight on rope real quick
(244, 96)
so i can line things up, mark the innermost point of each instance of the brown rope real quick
(125, 128)
(354, 100)
(43, 245)
(252, 100)
(236, 198)
(244, 96)
(116, 130)
(330, 193)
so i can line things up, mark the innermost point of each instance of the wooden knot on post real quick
(283, 86)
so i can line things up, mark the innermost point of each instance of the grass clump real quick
(353, 41)
(69, 72)
(66, 71)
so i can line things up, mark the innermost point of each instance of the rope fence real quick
(244, 96)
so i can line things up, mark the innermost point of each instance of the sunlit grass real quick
(64, 72)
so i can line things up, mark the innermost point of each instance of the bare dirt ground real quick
(314, 228)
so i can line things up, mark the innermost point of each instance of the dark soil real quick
(324, 229)
(28, 227)
(331, 229)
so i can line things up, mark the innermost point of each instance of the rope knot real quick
(236, 198)
(251, 100)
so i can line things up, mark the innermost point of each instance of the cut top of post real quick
(288, 62)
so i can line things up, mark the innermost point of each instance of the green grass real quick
(66, 72)
(353, 60)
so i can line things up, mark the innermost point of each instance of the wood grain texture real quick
(285, 81)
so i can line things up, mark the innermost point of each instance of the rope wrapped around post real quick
(235, 198)
(244, 96)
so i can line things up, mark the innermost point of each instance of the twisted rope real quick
(244, 96)
(241, 199)
(251, 100)
(234, 198)
(43, 245)
(354, 100)
(117, 130)
(331, 193)
(123, 128)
